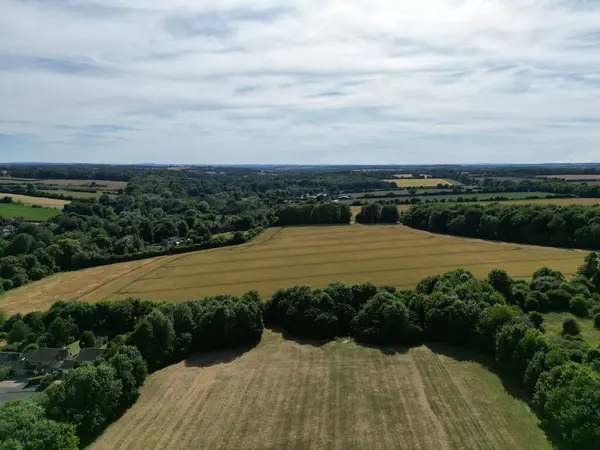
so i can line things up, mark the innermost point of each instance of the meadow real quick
(281, 257)
(573, 177)
(38, 201)
(27, 212)
(337, 395)
(553, 325)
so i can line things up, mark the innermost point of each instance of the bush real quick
(597, 321)
(570, 327)
(46, 381)
(4, 373)
(578, 306)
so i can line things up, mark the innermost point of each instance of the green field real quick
(285, 394)
(553, 325)
(27, 212)
(76, 194)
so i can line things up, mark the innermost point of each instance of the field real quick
(573, 177)
(403, 175)
(282, 257)
(39, 201)
(28, 213)
(76, 194)
(284, 394)
(410, 182)
(66, 187)
(553, 325)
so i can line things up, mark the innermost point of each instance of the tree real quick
(589, 269)
(578, 306)
(570, 327)
(88, 397)
(597, 321)
(59, 330)
(131, 369)
(25, 427)
(536, 319)
(502, 282)
(491, 320)
(88, 339)
(154, 337)
(18, 331)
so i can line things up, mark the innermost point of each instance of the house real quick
(344, 197)
(7, 231)
(85, 355)
(41, 360)
(175, 241)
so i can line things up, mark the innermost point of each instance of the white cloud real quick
(329, 81)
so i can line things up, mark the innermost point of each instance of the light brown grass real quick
(572, 177)
(288, 395)
(416, 182)
(390, 255)
(40, 201)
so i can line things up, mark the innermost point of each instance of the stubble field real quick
(284, 257)
(289, 395)
(39, 201)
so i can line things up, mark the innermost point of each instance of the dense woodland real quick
(498, 316)
(573, 226)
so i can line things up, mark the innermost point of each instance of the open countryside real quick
(392, 255)
(27, 212)
(339, 395)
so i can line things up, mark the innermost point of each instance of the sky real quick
(300, 81)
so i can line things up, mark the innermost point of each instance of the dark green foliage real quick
(385, 319)
(578, 306)
(154, 336)
(23, 425)
(314, 214)
(536, 319)
(59, 331)
(18, 331)
(502, 282)
(88, 339)
(597, 321)
(567, 226)
(130, 368)
(570, 327)
(87, 397)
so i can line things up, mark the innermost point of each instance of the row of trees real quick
(377, 213)
(573, 226)
(313, 214)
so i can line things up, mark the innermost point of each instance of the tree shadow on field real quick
(276, 329)
(214, 357)
(388, 350)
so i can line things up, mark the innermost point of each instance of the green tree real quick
(578, 306)
(154, 337)
(589, 269)
(23, 426)
(59, 331)
(88, 339)
(18, 331)
(570, 327)
(502, 282)
(131, 369)
(87, 397)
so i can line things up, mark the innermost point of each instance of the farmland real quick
(68, 188)
(280, 257)
(287, 394)
(418, 182)
(38, 201)
(573, 177)
(27, 212)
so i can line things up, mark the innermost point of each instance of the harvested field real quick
(282, 257)
(40, 201)
(416, 182)
(285, 394)
(403, 175)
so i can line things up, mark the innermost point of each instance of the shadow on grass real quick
(389, 350)
(278, 330)
(223, 356)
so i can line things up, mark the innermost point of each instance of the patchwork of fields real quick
(284, 394)
(283, 257)
(39, 201)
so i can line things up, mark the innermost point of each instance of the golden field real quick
(285, 394)
(40, 201)
(283, 257)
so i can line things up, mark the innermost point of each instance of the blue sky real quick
(300, 81)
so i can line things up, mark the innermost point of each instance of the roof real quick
(90, 354)
(46, 355)
(6, 357)
(68, 364)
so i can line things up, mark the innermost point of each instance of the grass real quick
(293, 395)
(281, 257)
(39, 201)
(76, 194)
(74, 348)
(27, 212)
(410, 182)
(553, 325)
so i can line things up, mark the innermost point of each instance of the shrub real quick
(578, 306)
(597, 321)
(46, 381)
(570, 327)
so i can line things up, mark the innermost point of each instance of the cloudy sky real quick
(300, 81)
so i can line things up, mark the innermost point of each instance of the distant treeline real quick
(573, 226)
